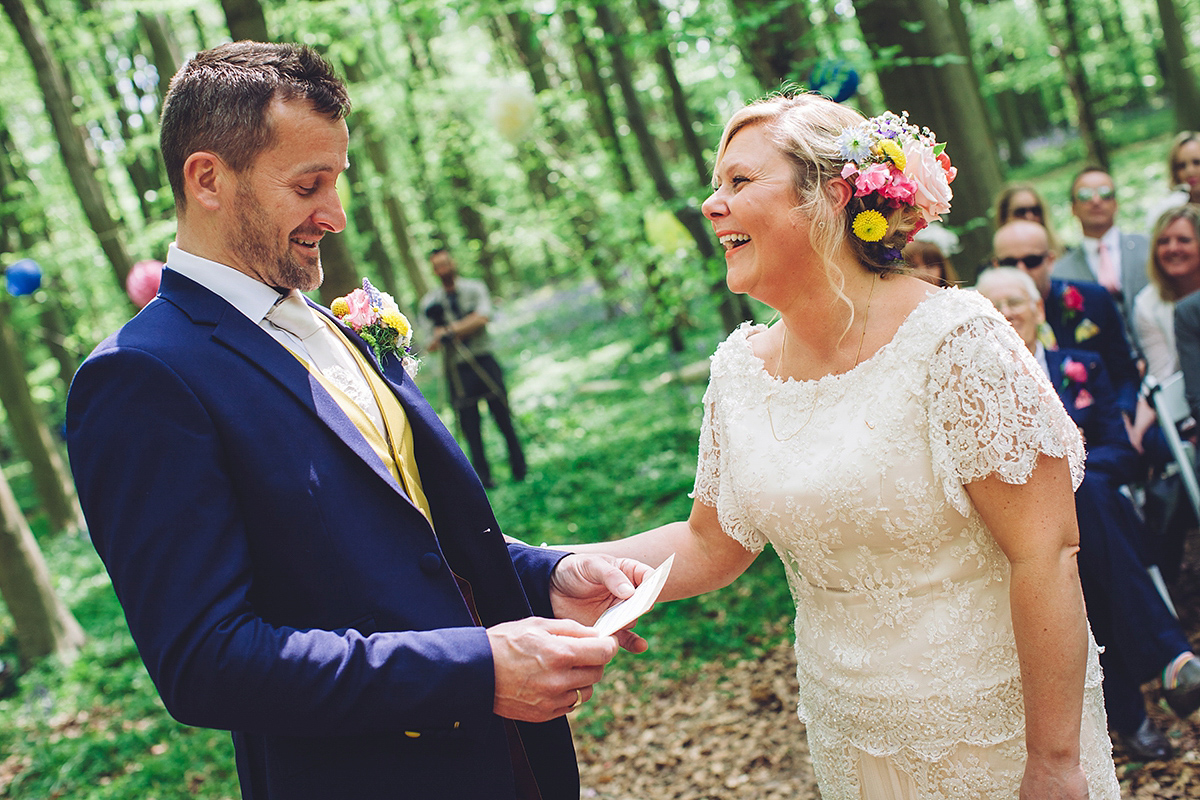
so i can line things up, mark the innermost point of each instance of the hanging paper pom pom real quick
(23, 277)
(142, 283)
(512, 109)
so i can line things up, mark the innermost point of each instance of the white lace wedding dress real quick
(909, 682)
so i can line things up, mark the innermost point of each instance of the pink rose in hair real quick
(933, 189)
(361, 313)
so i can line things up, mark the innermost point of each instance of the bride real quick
(905, 457)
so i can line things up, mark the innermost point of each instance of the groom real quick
(303, 553)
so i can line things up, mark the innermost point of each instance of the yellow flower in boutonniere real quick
(374, 316)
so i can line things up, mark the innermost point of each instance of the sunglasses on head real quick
(1030, 262)
(1087, 193)
(1026, 211)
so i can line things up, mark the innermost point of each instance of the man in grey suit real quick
(1107, 256)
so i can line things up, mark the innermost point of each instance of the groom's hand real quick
(544, 667)
(584, 586)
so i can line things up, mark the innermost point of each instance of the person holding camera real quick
(459, 311)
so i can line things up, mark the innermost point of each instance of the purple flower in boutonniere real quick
(375, 317)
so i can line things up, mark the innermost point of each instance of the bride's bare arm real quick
(705, 557)
(1034, 524)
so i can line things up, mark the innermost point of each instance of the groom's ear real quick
(206, 179)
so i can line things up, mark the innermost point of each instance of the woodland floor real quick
(726, 732)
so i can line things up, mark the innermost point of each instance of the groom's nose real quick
(330, 215)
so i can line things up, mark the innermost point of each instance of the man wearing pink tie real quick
(1115, 260)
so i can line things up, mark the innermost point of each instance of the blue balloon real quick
(834, 78)
(23, 277)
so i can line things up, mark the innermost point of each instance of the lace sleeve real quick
(992, 411)
(713, 490)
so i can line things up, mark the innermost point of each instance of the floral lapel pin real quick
(375, 317)
(1075, 374)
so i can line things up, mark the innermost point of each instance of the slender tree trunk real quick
(734, 308)
(651, 14)
(934, 84)
(600, 109)
(164, 47)
(54, 485)
(52, 81)
(246, 20)
(1180, 79)
(1069, 54)
(44, 625)
(777, 40)
(377, 154)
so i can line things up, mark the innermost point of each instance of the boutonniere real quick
(1072, 301)
(375, 317)
(1074, 373)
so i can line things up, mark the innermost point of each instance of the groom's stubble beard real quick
(257, 239)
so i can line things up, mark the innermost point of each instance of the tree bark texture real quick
(931, 79)
(55, 488)
(776, 39)
(82, 171)
(1181, 81)
(44, 625)
(733, 308)
(246, 20)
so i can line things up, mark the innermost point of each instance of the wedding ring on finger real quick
(578, 698)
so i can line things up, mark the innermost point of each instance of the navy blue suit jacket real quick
(1099, 328)
(278, 581)
(1093, 407)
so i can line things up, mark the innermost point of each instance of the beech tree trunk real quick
(246, 20)
(44, 625)
(1181, 81)
(733, 308)
(55, 488)
(80, 168)
(932, 79)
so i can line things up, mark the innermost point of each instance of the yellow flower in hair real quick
(870, 226)
(893, 152)
(339, 307)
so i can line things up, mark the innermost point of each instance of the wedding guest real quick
(1079, 314)
(1183, 170)
(1174, 268)
(927, 262)
(303, 554)
(1140, 636)
(1108, 256)
(1023, 201)
(905, 456)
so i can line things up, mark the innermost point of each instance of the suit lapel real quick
(233, 330)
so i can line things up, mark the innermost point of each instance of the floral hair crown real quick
(894, 165)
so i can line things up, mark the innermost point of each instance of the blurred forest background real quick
(560, 150)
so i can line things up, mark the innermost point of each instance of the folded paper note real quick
(638, 603)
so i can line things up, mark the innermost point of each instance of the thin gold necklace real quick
(817, 389)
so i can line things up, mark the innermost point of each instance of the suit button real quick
(431, 563)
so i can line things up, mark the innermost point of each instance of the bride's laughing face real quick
(754, 216)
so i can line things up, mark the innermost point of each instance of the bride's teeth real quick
(731, 240)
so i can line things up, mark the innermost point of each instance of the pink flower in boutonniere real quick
(1084, 399)
(359, 313)
(1072, 299)
(1075, 371)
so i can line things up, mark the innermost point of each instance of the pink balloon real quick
(142, 283)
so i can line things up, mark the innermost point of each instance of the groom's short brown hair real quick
(219, 100)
